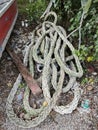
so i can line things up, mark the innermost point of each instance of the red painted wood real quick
(6, 21)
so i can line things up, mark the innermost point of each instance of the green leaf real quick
(86, 5)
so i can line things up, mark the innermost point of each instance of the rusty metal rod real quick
(30, 81)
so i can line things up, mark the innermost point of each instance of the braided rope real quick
(49, 48)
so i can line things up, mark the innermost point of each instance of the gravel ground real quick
(80, 119)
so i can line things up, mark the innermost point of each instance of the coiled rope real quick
(49, 48)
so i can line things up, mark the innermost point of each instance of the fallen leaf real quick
(89, 87)
(45, 103)
(9, 84)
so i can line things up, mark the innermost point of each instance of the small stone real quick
(34, 106)
(89, 87)
(9, 84)
(22, 23)
(26, 24)
(94, 73)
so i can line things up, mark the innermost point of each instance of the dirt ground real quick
(81, 119)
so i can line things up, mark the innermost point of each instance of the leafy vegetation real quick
(84, 53)
(69, 15)
(33, 10)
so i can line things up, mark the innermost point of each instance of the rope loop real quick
(51, 14)
(51, 55)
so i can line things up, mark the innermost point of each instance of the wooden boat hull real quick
(8, 16)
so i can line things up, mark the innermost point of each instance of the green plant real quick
(36, 9)
(89, 33)
(63, 8)
(22, 6)
(22, 85)
(33, 10)
(84, 81)
(84, 53)
(69, 15)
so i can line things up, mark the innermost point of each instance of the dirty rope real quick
(49, 50)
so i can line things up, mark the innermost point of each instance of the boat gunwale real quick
(5, 8)
(8, 35)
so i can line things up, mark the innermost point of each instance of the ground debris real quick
(74, 121)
